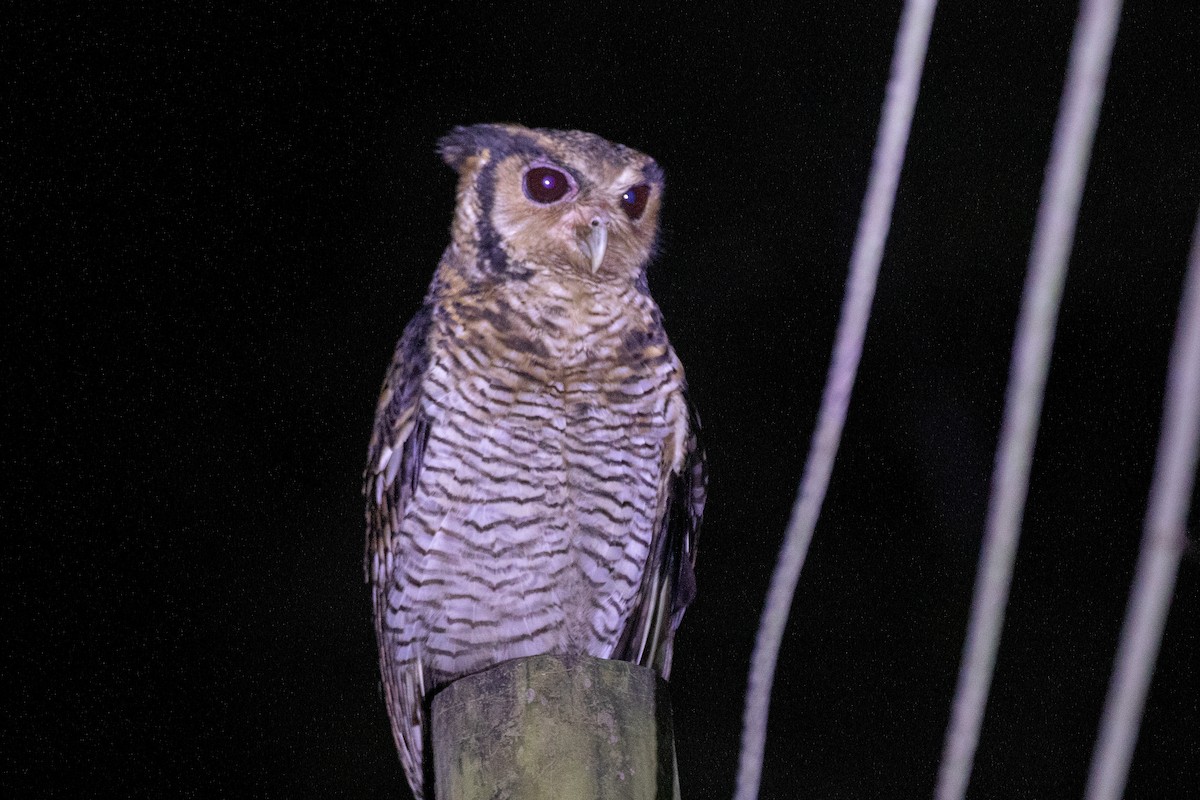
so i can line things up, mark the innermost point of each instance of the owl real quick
(534, 481)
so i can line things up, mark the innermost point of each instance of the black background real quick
(216, 221)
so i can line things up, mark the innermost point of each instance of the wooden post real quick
(555, 728)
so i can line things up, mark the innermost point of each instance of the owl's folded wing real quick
(393, 467)
(670, 580)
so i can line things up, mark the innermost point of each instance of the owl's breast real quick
(533, 520)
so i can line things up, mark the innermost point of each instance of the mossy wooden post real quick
(555, 728)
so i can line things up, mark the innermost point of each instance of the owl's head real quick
(565, 201)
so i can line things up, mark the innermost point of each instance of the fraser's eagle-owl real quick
(534, 482)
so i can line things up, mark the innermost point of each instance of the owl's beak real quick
(596, 242)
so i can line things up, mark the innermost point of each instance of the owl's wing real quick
(389, 482)
(670, 581)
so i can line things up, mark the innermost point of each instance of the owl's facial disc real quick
(570, 208)
(596, 242)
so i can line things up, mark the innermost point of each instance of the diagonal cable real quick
(1074, 132)
(901, 97)
(1163, 540)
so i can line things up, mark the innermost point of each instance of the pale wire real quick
(1163, 540)
(901, 97)
(1052, 239)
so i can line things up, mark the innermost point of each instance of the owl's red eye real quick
(633, 202)
(546, 185)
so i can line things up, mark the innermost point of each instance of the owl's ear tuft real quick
(465, 142)
(458, 145)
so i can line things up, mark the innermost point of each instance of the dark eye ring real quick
(546, 185)
(633, 202)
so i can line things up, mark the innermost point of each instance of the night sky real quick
(217, 221)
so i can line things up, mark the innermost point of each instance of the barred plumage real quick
(534, 481)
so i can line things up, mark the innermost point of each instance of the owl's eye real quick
(633, 202)
(546, 184)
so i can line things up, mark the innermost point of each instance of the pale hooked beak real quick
(596, 242)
